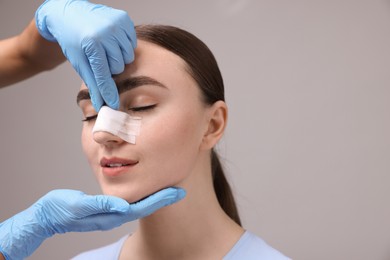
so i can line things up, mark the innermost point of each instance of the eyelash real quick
(89, 118)
(140, 109)
(134, 109)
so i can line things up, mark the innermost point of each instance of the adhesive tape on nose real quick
(117, 123)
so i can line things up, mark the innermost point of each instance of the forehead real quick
(156, 62)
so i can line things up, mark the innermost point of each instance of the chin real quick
(130, 197)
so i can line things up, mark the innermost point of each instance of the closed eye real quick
(143, 108)
(89, 118)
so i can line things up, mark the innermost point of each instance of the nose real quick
(106, 138)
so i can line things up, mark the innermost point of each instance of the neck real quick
(194, 228)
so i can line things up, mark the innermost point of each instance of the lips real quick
(116, 166)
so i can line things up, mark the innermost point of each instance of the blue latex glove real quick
(62, 211)
(96, 39)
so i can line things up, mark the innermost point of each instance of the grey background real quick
(307, 148)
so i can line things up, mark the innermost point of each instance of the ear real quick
(217, 120)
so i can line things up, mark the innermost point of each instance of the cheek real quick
(170, 145)
(87, 143)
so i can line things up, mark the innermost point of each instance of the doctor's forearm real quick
(27, 54)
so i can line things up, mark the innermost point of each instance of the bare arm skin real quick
(27, 54)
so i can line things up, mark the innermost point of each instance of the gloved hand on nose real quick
(62, 211)
(96, 39)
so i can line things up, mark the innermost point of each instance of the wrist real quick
(22, 234)
(3, 255)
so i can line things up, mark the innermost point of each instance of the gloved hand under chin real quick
(62, 211)
(96, 39)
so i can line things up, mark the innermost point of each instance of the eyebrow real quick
(124, 85)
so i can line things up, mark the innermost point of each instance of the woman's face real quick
(156, 88)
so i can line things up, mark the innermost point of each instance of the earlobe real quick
(217, 120)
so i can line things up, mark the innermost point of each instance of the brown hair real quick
(204, 69)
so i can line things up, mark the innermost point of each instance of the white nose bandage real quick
(117, 123)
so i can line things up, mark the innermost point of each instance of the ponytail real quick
(223, 190)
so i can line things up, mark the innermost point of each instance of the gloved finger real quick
(101, 71)
(103, 221)
(110, 93)
(128, 26)
(98, 204)
(115, 59)
(126, 47)
(88, 77)
(156, 201)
